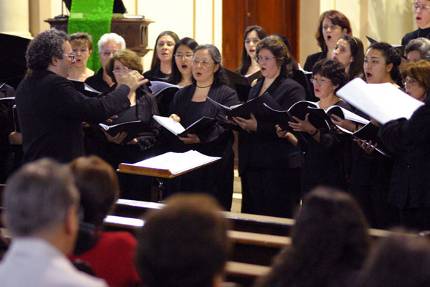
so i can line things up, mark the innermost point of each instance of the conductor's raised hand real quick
(190, 139)
(131, 78)
(249, 125)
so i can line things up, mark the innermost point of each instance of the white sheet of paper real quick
(177, 162)
(383, 102)
(170, 124)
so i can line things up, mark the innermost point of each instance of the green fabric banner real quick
(93, 17)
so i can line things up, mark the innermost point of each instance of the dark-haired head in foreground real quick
(183, 244)
(399, 260)
(329, 243)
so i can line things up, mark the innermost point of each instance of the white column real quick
(14, 17)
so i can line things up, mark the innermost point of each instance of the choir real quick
(277, 165)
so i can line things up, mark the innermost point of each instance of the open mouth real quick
(418, 18)
(368, 75)
(184, 66)
(329, 37)
(198, 74)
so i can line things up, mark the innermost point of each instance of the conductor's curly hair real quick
(44, 47)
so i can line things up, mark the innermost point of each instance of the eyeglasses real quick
(319, 82)
(184, 56)
(410, 82)
(203, 62)
(417, 6)
(71, 56)
(261, 59)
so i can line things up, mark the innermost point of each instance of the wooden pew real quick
(241, 221)
(237, 271)
(248, 247)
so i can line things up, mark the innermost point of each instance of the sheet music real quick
(383, 102)
(177, 163)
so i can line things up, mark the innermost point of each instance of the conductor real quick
(51, 110)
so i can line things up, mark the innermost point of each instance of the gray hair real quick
(111, 37)
(422, 45)
(44, 47)
(213, 51)
(38, 196)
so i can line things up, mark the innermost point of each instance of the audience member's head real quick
(183, 53)
(183, 244)
(416, 76)
(207, 66)
(50, 48)
(163, 50)
(108, 44)
(123, 61)
(41, 200)
(332, 25)
(273, 57)
(381, 64)
(98, 186)
(418, 49)
(252, 35)
(329, 243)
(349, 52)
(399, 260)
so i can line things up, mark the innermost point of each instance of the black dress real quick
(144, 109)
(96, 82)
(156, 75)
(327, 161)
(136, 187)
(425, 33)
(10, 155)
(312, 59)
(215, 179)
(409, 142)
(269, 166)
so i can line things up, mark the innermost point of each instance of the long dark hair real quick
(357, 53)
(176, 75)
(329, 239)
(155, 63)
(246, 60)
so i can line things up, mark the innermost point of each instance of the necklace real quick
(203, 87)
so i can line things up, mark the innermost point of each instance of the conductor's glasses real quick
(71, 56)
